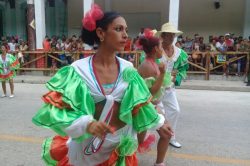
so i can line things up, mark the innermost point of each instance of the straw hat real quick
(170, 28)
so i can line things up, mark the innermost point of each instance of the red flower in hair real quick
(148, 33)
(89, 21)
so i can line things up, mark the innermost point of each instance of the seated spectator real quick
(87, 48)
(222, 48)
(188, 45)
(212, 48)
(24, 47)
(12, 46)
(196, 54)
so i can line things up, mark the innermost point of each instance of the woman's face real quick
(3, 49)
(115, 36)
(158, 51)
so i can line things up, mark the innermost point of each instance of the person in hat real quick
(176, 62)
(229, 42)
(98, 104)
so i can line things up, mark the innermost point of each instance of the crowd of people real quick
(194, 47)
(222, 44)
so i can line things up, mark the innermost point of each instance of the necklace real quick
(171, 52)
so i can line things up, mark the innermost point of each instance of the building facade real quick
(63, 17)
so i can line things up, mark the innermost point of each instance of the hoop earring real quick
(101, 39)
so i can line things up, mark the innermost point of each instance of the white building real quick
(192, 16)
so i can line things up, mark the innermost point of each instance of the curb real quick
(215, 88)
(241, 88)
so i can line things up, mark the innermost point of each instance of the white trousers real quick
(171, 108)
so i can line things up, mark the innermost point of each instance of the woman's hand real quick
(162, 67)
(99, 129)
(166, 130)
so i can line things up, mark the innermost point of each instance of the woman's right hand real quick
(99, 129)
(166, 130)
(162, 68)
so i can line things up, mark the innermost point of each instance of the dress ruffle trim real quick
(137, 100)
(68, 100)
(8, 76)
(55, 98)
(55, 151)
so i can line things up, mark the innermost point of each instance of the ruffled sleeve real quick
(165, 84)
(68, 106)
(182, 66)
(136, 108)
(13, 62)
(1, 67)
(149, 82)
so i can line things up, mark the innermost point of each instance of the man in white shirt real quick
(12, 45)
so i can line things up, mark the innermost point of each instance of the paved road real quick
(214, 129)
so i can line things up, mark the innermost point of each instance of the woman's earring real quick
(101, 39)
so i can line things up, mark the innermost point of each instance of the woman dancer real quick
(157, 80)
(8, 65)
(99, 103)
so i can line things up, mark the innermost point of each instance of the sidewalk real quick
(218, 85)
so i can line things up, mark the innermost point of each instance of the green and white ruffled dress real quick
(70, 106)
(8, 67)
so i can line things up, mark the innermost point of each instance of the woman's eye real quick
(118, 29)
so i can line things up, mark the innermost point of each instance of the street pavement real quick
(214, 129)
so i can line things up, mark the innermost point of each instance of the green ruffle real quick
(75, 93)
(137, 93)
(126, 147)
(166, 83)
(13, 59)
(7, 79)
(143, 57)
(56, 119)
(46, 152)
(182, 66)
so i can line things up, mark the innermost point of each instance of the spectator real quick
(221, 58)
(12, 45)
(24, 47)
(46, 44)
(229, 42)
(68, 49)
(141, 32)
(187, 46)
